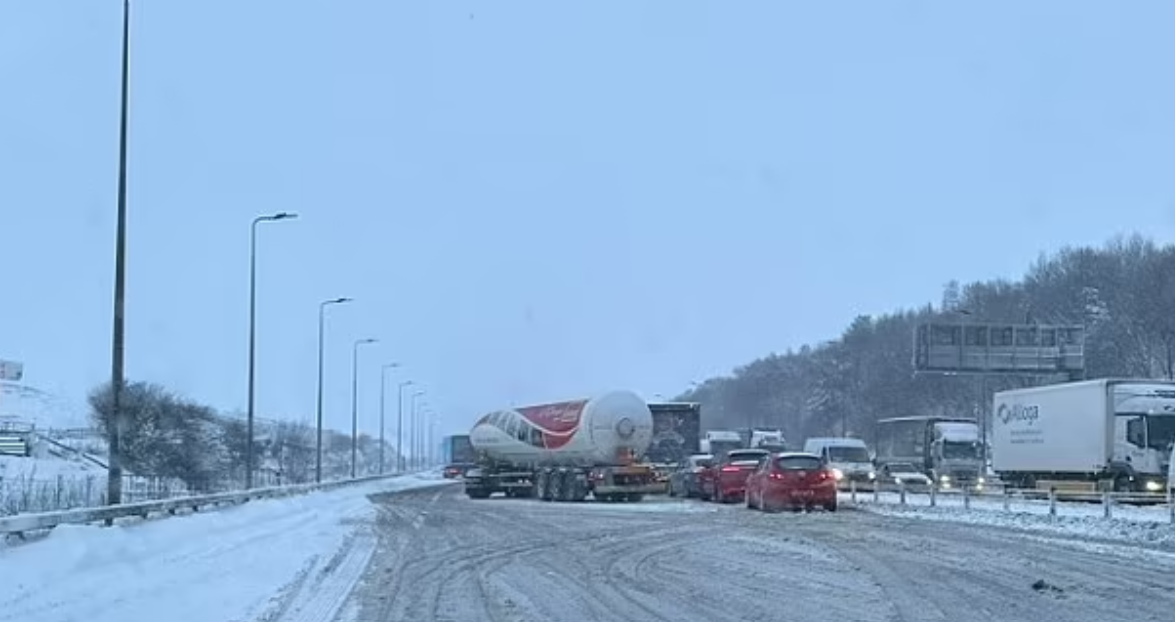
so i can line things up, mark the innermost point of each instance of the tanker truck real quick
(565, 451)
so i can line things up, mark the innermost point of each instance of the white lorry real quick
(1106, 433)
(718, 442)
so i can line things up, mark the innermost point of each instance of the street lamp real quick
(114, 432)
(252, 329)
(400, 464)
(355, 400)
(416, 430)
(383, 376)
(318, 406)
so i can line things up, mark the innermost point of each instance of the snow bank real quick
(223, 565)
(13, 467)
(1148, 524)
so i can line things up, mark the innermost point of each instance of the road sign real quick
(1032, 349)
(11, 370)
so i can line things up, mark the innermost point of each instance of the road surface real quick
(442, 557)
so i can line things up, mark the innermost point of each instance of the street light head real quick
(284, 216)
(339, 301)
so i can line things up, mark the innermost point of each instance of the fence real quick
(32, 522)
(26, 493)
(1133, 505)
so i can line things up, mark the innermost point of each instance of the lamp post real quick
(249, 458)
(400, 464)
(114, 430)
(415, 430)
(318, 405)
(355, 400)
(383, 376)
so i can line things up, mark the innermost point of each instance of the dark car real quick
(684, 481)
(453, 471)
(792, 480)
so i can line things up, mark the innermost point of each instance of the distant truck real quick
(458, 450)
(946, 449)
(766, 438)
(565, 451)
(677, 430)
(1108, 433)
(718, 443)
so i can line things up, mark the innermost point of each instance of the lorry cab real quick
(847, 457)
(1171, 475)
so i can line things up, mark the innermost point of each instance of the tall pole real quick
(383, 376)
(415, 430)
(400, 464)
(355, 401)
(318, 406)
(115, 424)
(249, 458)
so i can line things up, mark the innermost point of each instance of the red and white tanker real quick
(565, 450)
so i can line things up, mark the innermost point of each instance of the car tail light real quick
(730, 469)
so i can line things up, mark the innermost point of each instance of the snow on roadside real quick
(1150, 525)
(224, 565)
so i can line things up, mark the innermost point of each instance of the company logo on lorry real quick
(1018, 413)
(549, 426)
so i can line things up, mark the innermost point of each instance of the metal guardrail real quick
(1007, 494)
(21, 523)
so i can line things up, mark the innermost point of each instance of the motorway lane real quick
(442, 557)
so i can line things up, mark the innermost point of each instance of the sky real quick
(532, 201)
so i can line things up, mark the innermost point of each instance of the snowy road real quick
(441, 557)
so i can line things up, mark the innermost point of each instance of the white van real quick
(848, 457)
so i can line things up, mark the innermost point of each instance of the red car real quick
(792, 480)
(727, 478)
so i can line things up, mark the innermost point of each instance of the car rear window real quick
(799, 463)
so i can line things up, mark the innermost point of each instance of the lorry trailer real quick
(1107, 433)
(565, 451)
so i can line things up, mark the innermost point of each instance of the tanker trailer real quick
(566, 450)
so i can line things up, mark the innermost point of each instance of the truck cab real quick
(1171, 475)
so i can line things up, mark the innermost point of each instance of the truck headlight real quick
(946, 479)
(1153, 486)
(838, 474)
(981, 481)
(872, 475)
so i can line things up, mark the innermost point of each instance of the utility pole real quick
(117, 375)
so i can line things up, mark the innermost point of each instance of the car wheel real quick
(831, 506)
(747, 500)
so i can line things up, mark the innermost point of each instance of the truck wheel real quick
(1122, 484)
(478, 494)
(636, 497)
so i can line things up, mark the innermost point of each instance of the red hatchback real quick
(728, 479)
(791, 480)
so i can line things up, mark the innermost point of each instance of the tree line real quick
(1123, 293)
(165, 435)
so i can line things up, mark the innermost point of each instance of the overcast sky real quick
(540, 200)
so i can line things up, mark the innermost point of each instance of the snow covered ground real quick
(276, 560)
(1149, 524)
(41, 408)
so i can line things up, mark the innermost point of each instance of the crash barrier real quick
(21, 523)
(1006, 495)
